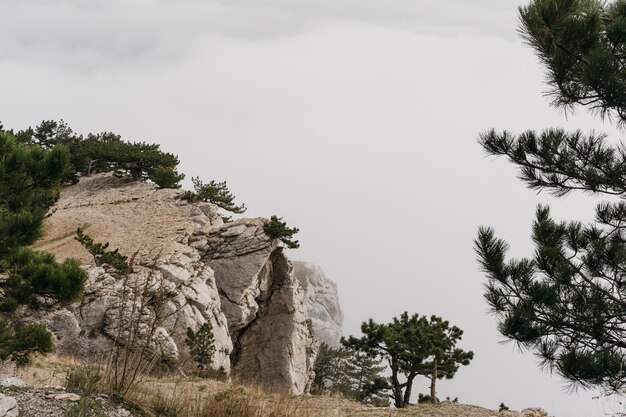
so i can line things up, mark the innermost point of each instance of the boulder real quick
(322, 301)
(8, 406)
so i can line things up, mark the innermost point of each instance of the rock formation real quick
(322, 302)
(273, 340)
(189, 268)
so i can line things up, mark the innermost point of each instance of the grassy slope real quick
(192, 396)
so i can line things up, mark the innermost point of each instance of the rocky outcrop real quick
(153, 306)
(273, 341)
(189, 268)
(322, 300)
(8, 406)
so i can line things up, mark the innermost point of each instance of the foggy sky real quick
(356, 120)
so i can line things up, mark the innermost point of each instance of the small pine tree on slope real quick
(412, 345)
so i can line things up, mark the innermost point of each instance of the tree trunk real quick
(407, 390)
(395, 387)
(433, 381)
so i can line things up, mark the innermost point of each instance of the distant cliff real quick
(189, 268)
(322, 300)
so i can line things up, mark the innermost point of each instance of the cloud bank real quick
(88, 35)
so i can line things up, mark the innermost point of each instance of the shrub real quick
(213, 192)
(201, 345)
(100, 254)
(275, 228)
(18, 342)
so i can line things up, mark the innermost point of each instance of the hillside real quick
(189, 268)
(175, 396)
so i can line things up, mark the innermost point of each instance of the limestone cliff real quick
(264, 304)
(322, 300)
(189, 268)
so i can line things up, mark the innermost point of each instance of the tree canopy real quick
(213, 192)
(351, 373)
(30, 177)
(105, 152)
(276, 228)
(567, 302)
(412, 345)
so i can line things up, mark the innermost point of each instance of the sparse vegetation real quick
(101, 255)
(105, 152)
(86, 407)
(30, 178)
(214, 192)
(275, 228)
(413, 345)
(351, 374)
(201, 344)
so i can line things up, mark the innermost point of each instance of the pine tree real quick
(30, 177)
(350, 373)
(445, 359)
(201, 344)
(367, 384)
(276, 228)
(101, 256)
(105, 152)
(568, 302)
(213, 192)
(412, 345)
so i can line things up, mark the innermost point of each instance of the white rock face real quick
(274, 345)
(148, 302)
(322, 300)
(189, 268)
(8, 406)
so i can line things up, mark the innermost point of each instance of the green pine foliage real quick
(29, 184)
(201, 344)
(213, 192)
(411, 346)
(18, 342)
(581, 44)
(275, 228)
(567, 302)
(425, 398)
(352, 374)
(101, 255)
(30, 178)
(105, 152)
(36, 279)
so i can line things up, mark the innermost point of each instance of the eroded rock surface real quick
(322, 299)
(273, 340)
(155, 304)
(189, 268)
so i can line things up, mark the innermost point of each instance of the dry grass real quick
(42, 372)
(235, 401)
(176, 396)
(187, 397)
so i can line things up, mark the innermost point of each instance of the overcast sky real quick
(355, 119)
